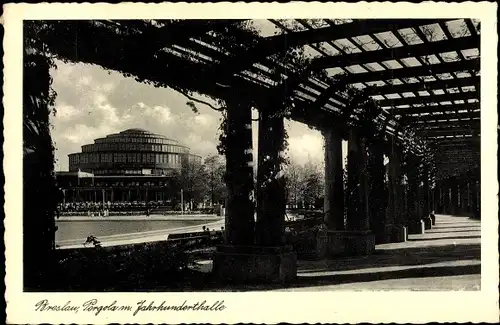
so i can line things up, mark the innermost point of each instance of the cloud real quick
(304, 144)
(92, 102)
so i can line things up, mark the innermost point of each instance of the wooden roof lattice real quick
(423, 73)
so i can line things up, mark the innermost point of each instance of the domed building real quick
(131, 152)
(132, 165)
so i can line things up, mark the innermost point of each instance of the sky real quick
(92, 102)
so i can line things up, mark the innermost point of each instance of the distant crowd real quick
(125, 208)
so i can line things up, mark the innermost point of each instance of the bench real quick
(196, 239)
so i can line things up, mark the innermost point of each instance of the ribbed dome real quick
(140, 133)
(131, 152)
(135, 130)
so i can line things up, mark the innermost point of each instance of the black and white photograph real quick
(292, 156)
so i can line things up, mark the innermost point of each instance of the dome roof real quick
(135, 130)
(140, 134)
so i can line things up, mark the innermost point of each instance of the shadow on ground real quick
(451, 231)
(444, 238)
(469, 227)
(418, 258)
(397, 257)
(206, 282)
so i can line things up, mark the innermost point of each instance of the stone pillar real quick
(462, 192)
(357, 239)
(454, 196)
(478, 191)
(436, 198)
(358, 212)
(377, 195)
(394, 228)
(474, 198)
(334, 185)
(469, 201)
(426, 198)
(239, 227)
(415, 222)
(434, 205)
(446, 196)
(112, 195)
(270, 180)
(240, 259)
(39, 186)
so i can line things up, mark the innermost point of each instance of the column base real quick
(433, 218)
(428, 222)
(416, 227)
(392, 234)
(350, 243)
(246, 264)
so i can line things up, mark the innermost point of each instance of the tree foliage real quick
(215, 169)
(191, 178)
(304, 184)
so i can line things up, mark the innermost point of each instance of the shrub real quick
(129, 267)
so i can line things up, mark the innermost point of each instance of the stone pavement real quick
(447, 257)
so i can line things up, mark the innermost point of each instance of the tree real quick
(191, 178)
(293, 180)
(215, 169)
(304, 183)
(313, 184)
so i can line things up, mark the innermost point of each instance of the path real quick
(447, 257)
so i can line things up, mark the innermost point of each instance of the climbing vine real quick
(40, 193)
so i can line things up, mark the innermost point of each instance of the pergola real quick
(422, 74)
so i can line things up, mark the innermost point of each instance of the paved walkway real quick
(447, 257)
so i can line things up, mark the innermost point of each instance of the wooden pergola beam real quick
(437, 109)
(420, 86)
(280, 43)
(445, 131)
(426, 70)
(437, 135)
(463, 123)
(456, 44)
(428, 99)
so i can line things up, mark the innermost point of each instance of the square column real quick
(358, 217)
(239, 225)
(445, 191)
(395, 231)
(464, 201)
(357, 239)
(270, 180)
(474, 199)
(414, 221)
(454, 196)
(254, 253)
(426, 198)
(377, 196)
(334, 184)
